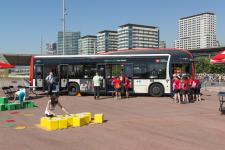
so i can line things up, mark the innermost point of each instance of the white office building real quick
(88, 45)
(137, 36)
(197, 31)
(107, 41)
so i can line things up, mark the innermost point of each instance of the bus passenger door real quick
(39, 77)
(101, 72)
(63, 78)
(128, 72)
(108, 78)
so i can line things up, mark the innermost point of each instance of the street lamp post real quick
(64, 24)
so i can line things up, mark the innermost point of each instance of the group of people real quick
(186, 89)
(119, 83)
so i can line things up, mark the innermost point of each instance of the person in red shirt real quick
(185, 89)
(176, 89)
(127, 86)
(117, 86)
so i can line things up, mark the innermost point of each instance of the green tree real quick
(202, 65)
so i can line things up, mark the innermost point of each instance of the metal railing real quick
(213, 85)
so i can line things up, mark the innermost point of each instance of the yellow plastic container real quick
(88, 114)
(76, 115)
(44, 122)
(80, 121)
(98, 118)
(62, 123)
(59, 116)
(53, 124)
(69, 121)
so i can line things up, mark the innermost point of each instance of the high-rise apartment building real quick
(137, 36)
(70, 43)
(197, 31)
(88, 45)
(107, 41)
(51, 48)
(162, 44)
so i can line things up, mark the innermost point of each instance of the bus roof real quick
(172, 51)
(176, 55)
(99, 56)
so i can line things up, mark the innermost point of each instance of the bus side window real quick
(71, 72)
(140, 71)
(89, 71)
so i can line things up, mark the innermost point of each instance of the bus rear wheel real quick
(156, 90)
(73, 89)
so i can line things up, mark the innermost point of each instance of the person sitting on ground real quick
(20, 96)
(51, 105)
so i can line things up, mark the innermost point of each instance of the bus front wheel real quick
(74, 89)
(156, 90)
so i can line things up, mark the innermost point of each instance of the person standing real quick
(50, 81)
(176, 89)
(113, 85)
(117, 87)
(197, 90)
(97, 82)
(127, 86)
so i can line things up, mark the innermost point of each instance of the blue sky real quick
(25, 22)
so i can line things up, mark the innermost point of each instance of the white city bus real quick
(149, 70)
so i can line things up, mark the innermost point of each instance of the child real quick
(52, 104)
(127, 86)
(184, 90)
(191, 89)
(117, 86)
(176, 89)
(113, 85)
(197, 90)
(20, 94)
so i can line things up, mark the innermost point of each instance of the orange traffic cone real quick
(78, 94)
